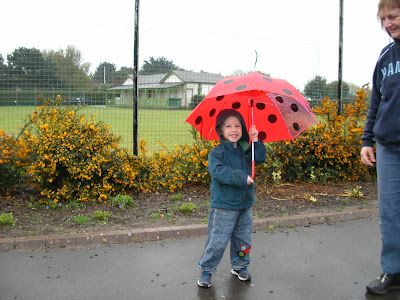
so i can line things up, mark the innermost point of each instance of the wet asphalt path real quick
(317, 262)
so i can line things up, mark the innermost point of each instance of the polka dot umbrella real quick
(279, 111)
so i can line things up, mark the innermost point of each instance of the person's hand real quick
(253, 133)
(249, 180)
(368, 156)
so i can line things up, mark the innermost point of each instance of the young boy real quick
(232, 196)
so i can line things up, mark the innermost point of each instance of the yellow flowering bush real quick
(329, 150)
(71, 158)
(66, 157)
(168, 170)
(11, 171)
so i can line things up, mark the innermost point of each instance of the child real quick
(232, 196)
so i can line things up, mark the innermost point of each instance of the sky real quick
(291, 39)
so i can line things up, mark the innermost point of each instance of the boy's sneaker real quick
(384, 283)
(242, 274)
(204, 280)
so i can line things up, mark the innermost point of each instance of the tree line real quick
(30, 68)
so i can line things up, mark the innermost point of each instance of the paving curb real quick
(173, 232)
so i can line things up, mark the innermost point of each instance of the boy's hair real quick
(390, 4)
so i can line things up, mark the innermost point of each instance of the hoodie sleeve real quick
(368, 136)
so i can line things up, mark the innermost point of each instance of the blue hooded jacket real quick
(383, 119)
(229, 168)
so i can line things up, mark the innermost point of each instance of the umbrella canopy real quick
(279, 111)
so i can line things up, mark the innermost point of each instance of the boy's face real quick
(231, 129)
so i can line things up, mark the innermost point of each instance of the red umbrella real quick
(279, 110)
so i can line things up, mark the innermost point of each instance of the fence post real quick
(135, 79)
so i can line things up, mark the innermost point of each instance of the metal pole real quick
(135, 81)
(339, 86)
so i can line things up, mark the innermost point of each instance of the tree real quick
(238, 72)
(315, 89)
(105, 73)
(29, 69)
(157, 66)
(5, 79)
(71, 68)
(332, 90)
(121, 75)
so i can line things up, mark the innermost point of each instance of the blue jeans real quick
(226, 225)
(388, 169)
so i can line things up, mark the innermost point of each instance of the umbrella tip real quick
(255, 63)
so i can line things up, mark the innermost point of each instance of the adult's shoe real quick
(384, 283)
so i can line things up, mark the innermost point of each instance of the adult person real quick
(383, 129)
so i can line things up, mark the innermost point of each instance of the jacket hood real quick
(225, 113)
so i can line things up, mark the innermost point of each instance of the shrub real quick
(168, 170)
(327, 151)
(68, 159)
(71, 158)
(11, 172)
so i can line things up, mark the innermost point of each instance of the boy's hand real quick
(253, 134)
(249, 180)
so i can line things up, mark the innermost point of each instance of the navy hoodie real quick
(383, 119)
(229, 168)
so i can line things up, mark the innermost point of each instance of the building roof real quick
(197, 77)
(158, 81)
(146, 86)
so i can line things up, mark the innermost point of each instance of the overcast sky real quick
(295, 40)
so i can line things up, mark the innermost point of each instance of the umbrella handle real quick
(252, 160)
(252, 143)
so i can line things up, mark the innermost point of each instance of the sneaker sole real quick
(233, 272)
(393, 287)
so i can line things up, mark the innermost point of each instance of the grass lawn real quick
(155, 126)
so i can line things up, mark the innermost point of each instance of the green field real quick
(164, 126)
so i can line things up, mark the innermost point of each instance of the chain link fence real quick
(183, 51)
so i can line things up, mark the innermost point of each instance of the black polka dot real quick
(236, 105)
(198, 120)
(219, 98)
(267, 79)
(241, 87)
(262, 135)
(296, 126)
(260, 106)
(228, 81)
(279, 99)
(212, 112)
(294, 107)
(287, 92)
(272, 118)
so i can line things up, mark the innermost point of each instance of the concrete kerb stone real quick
(29, 242)
(174, 232)
(7, 244)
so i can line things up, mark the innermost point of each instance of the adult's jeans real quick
(388, 170)
(226, 225)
